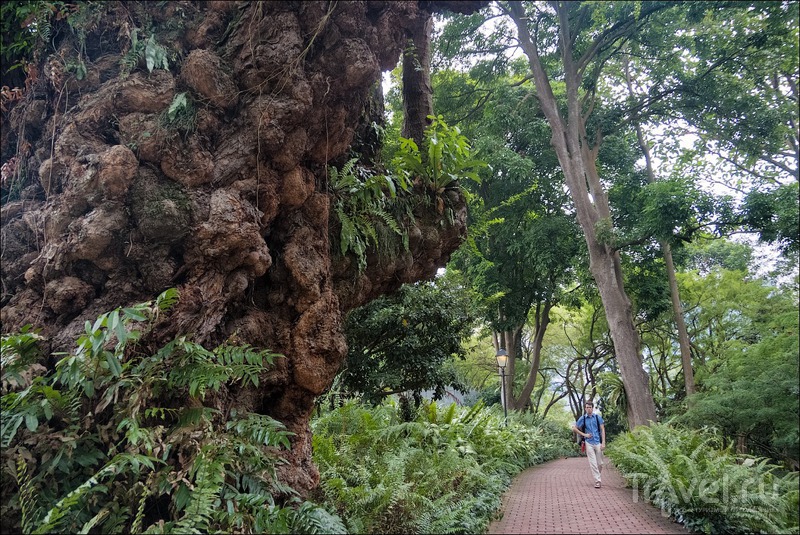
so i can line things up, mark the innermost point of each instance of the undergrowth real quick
(442, 472)
(369, 210)
(708, 488)
(116, 441)
(376, 210)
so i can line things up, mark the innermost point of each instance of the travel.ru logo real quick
(695, 495)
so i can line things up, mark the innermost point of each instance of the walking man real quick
(593, 429)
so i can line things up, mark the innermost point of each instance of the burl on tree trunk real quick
(209, 176)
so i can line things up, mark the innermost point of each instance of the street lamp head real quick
(502, 358)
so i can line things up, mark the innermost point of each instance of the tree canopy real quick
(405, 343)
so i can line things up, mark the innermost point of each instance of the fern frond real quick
(368, 231)
(136, 526)
(63, 507)
(10, 422)
(96, 519)
(312, 519)
(27, 498)
(449, 415)
(348, 231)
(262, 430)
(208, 471)
(388, 220)
(347, 168)
(167, 299)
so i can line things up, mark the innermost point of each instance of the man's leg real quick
(600, 459)
(592, 452)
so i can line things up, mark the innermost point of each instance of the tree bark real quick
(121, 200)
(417, 90)
(577, 156)
(680, 323)
(542, 321)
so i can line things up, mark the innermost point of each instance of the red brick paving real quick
(559, 497)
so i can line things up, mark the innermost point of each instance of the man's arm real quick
(602, 436)
(581, 433)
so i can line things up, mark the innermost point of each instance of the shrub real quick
(110, 445)
(708, 489)
(442, 472)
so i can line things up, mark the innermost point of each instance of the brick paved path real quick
(559, 497)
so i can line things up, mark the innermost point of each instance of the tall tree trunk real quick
(417, 91)
(680, 323)
(542, 321)
(666, 250)
(577, 156)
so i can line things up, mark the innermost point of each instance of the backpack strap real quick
(597, 423)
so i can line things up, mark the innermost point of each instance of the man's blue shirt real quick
(593, 424)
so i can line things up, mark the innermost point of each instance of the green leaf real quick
(181, 497)
(178, 103)
(113, 364)
(47, 409)
(134, 314)
(113, 320)
(80, 71)
(31, 422)
(98, 340)
(151, 53)
(99, 323)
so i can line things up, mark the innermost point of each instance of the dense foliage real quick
(103, 448)
(774, 214)
(375, 209)
(442, 472)
(726, 77)
(523, 240)
(406, 342)
(746, 334)
(93, 440)
(709, 489)
(24, 26)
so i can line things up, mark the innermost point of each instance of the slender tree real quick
(577, 153)
(666, 250)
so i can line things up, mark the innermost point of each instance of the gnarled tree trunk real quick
(127, 189)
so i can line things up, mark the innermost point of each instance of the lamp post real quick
(502, 362)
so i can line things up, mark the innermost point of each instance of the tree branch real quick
(615, 32)
(768, 159)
